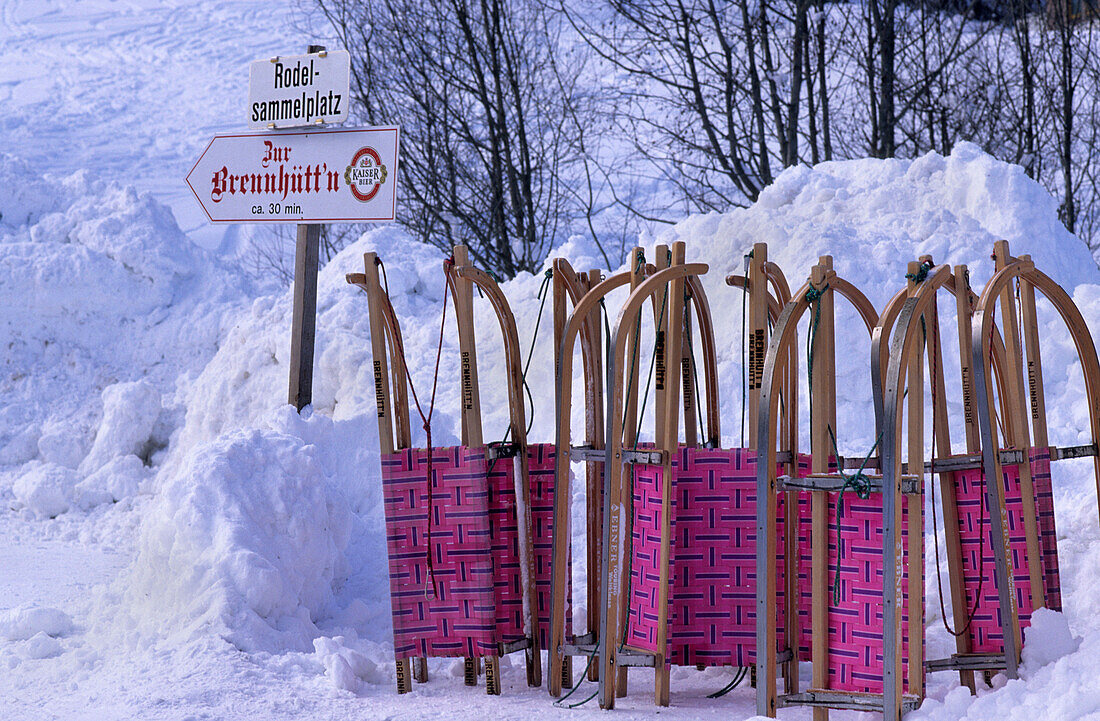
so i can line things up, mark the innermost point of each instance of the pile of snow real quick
(245, 540)
(104, 304)
(24, 622)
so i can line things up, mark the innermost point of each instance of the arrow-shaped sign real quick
(317, 176)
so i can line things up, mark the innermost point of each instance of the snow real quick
(245, 540)
(27, 622)
(177, 543)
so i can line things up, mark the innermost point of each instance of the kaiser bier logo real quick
(366, 174)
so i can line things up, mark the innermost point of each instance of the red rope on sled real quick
(426, 420)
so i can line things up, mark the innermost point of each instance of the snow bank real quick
(245, 540)
(345, 667)
(872, 216)
(104, 303)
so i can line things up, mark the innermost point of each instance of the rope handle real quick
(542, 295)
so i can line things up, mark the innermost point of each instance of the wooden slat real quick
(1030, 327)
(594, 429)
(915, 541)
(470, 409)
(788, 445)
(669, 440)
(822, 415)
(688, 380)
(464, 314)
(948, 499)
(375, 299)
(629, 437)
(775, 376)
(757, 331)
(1016, 403)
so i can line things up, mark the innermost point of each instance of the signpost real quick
(309, 177)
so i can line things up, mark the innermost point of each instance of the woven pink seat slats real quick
(855, 640)
(985, 630)
(712, 565)
(468, 599)
(540, 460)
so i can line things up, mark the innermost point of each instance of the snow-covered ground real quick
(176, 543)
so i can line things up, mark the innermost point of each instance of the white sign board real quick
(314, 176)
(296, 90)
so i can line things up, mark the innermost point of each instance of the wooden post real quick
(304, 322)
(302, 330)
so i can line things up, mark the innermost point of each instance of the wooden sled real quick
(571, 288)
(464, 592)
(586, 293)
(621, 421)
(965, 531)
(1024, 542)
(842, 635)
(662, 570)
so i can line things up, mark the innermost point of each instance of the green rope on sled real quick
(861, 486)
(921, 274)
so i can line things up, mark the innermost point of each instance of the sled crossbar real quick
(587, 453)
(839, 700)
(1066, 452)
(910, 485)
(967, 662)
(517, 645)
(1008, 457)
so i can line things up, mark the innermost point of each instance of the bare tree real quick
(713, 92)
(484, 126)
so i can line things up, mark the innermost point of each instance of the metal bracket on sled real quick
(587, 453)
(643, 457)
(630, 455)
(1010, 457)
(583, 645)
(518, 645)
(1058, 454)
(625, 659)
(495, 451)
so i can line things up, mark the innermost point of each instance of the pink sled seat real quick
(712, 564)
(471, 599)
(985, 629)
(855, 635)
